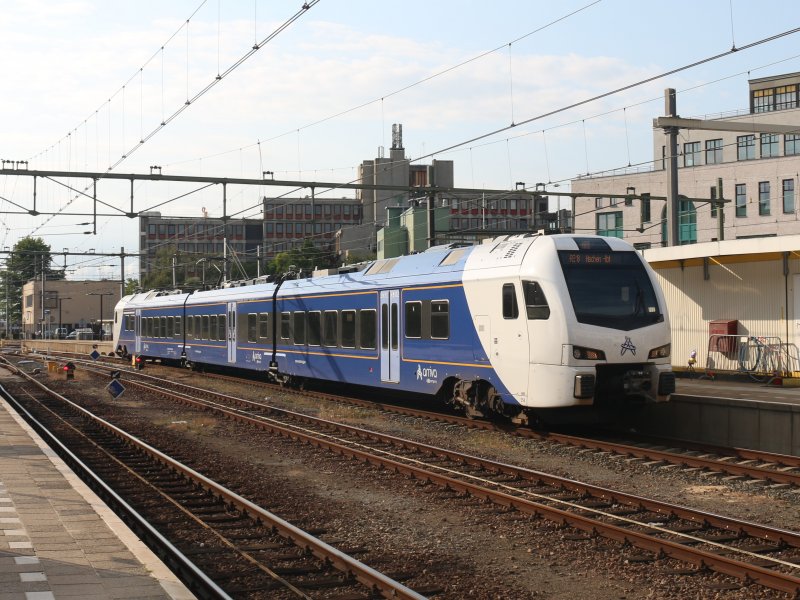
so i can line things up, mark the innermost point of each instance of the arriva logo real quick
(427, 374)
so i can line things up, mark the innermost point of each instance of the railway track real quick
(778, 470)
(748, 551)
(235, 548)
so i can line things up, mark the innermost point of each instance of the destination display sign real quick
(594, 259)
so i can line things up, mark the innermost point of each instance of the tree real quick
(306, 259)
(29, 257)
(131, 285)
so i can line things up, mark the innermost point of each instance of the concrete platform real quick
(58, 540)
(728, 412)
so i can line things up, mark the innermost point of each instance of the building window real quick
(598, 203)
(713, 196)
(746, 147)
(769, 145)
(785, 97)
(741, 200)
(691, 154)
(610, 224)
(763, 100)
(791, 144)
(714, 152)
(645, 212)
(788, 196)
(763, 198)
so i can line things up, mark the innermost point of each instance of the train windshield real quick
(610, 289)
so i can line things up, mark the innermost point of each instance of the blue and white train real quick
(513, 325)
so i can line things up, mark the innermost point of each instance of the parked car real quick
(61, 333)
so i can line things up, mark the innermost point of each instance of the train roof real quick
(437, 265)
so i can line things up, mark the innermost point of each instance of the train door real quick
(390, 335)
(138, 330)
(231, 332)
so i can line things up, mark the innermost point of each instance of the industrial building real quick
(64, 304)
(759, 174)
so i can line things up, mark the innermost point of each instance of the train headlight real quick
(660, 352)
(587, 353)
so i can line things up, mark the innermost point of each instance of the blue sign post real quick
(115, 388)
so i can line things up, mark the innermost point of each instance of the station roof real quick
(763, 248)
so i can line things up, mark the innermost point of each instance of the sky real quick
(84, 81)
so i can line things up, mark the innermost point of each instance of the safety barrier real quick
(760, 357)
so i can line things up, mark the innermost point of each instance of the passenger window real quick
(221, 333)
(440, 319)
(190, 327)
(348, 329)
(535, 301)
(300, 327)
(204, 334)
(413, 319)
(252, 322)
(170, 327)
(263, 326)
(286, 325)
(163, 327)
(314, 328)
(213, 328)
(367, 329)
(510, 307)
(178, 332)
(329, 329)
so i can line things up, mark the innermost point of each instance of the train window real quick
(535, 301)
(366, 322)
(145, 326)
(348, 329)
(163, 327)
(299, 327)
(385, 326)
(170, 327)
(190, 327)
(314, 328)
(204, 328)
(413, 319)
(263, 326)
(221, 333)
(178, 330)
(395, 326)
(440, 319)
(330, 335)
(286, 325)
(156, 327)
(252, 327)
(510, 307)
(212, 328)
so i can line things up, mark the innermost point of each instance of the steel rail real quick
(624, 450)
(783, 536)
(366, 575)
(185, 569)
(663, 548)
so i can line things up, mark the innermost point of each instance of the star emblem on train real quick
(627, 345)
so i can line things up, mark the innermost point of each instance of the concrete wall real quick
(79, 347)
(771, 427)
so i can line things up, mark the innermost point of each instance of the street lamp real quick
(60, 323)
(101, 294)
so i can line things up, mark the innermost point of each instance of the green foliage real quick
(307, 258)
(131, 285)
(25, 262)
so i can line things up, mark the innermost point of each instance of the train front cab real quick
(619, 339)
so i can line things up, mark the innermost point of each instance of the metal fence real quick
(759, 357)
